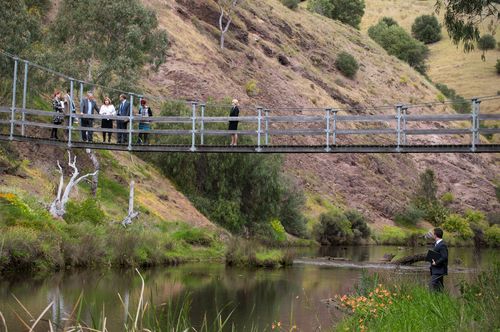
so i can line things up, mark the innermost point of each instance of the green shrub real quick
(279, 233)
(427, 29)
(241, 252)
(347, 64)
(322, 7)
(410, 217)
(292, 4)
(358, 224)
(455, 223)
(460, 104)
(389, 21)
(447, 198)
(86, 211)
(194, 236)
(251, 88)
(333, 228)
(492, 236)
(486, 42)
(84, 245)
(348, 11)
(396, 41)
(227, 214)
(497, 66)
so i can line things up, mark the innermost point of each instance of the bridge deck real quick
(481, 148)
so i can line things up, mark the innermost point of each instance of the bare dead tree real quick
(95, 177)
(131, 213)
(58, 206)
(227, 8)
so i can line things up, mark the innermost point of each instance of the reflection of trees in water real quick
(255, 296)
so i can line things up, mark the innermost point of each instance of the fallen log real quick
(408, 260)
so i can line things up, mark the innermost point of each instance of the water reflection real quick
(253, 297)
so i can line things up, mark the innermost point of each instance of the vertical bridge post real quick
(399, 107)
(193, 128)
(130, 124)
(14, 91)
(327, 117)
(25, 92)
(70, 124)
(334, 127)
(202, 124)
(259, 128)
(405, 110)
(475, 139)
(266, 114)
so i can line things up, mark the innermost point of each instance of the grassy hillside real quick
(265, 31)
(448, 64)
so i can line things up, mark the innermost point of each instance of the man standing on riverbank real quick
(439, 267)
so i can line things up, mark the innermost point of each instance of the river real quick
(252, 297)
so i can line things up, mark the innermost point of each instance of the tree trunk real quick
(131, 213)
(95, 177)
(58, 207)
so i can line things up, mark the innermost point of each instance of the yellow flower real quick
(279, 324)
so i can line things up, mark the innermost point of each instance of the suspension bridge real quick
(397, 128)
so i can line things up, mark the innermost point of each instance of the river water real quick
(252, 297)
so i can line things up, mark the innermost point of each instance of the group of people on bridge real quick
(88, 106)
(64, 105)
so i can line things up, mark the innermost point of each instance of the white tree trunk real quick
(228, 12)
(131, 213)
(95, 177)
(58, 207)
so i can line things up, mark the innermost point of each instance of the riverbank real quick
(389, 305)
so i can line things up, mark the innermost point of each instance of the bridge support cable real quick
(475, 138)
(193, 126)
(14, 91)
(327, 118)
(25, 92)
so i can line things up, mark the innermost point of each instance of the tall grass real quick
(172, 316)
(407, 307)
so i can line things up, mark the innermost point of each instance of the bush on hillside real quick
(409, 217)
(396, 41)
(389, 21)
(347, 64)
(486, 42)
(336, 227)
(346, 11)
(427, 29)
(460, 104)
(322, 7)
(492, 236)
(497, 66)
(455, 223)
(86, 211)
(292, 4)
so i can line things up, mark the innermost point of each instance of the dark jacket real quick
(441, 267)
(56, 105)
(85, 105)
(123, 110)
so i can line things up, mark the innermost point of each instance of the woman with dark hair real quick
(107, 109)
(233, 125)
(58, 107)
(144, 112)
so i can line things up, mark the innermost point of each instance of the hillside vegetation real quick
(264, 33)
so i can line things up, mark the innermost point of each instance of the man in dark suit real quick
(123, 110)
(88, 107)
(439, 267)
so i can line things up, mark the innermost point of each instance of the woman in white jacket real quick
(107, 109)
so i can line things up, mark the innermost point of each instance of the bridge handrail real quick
(447, 117)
